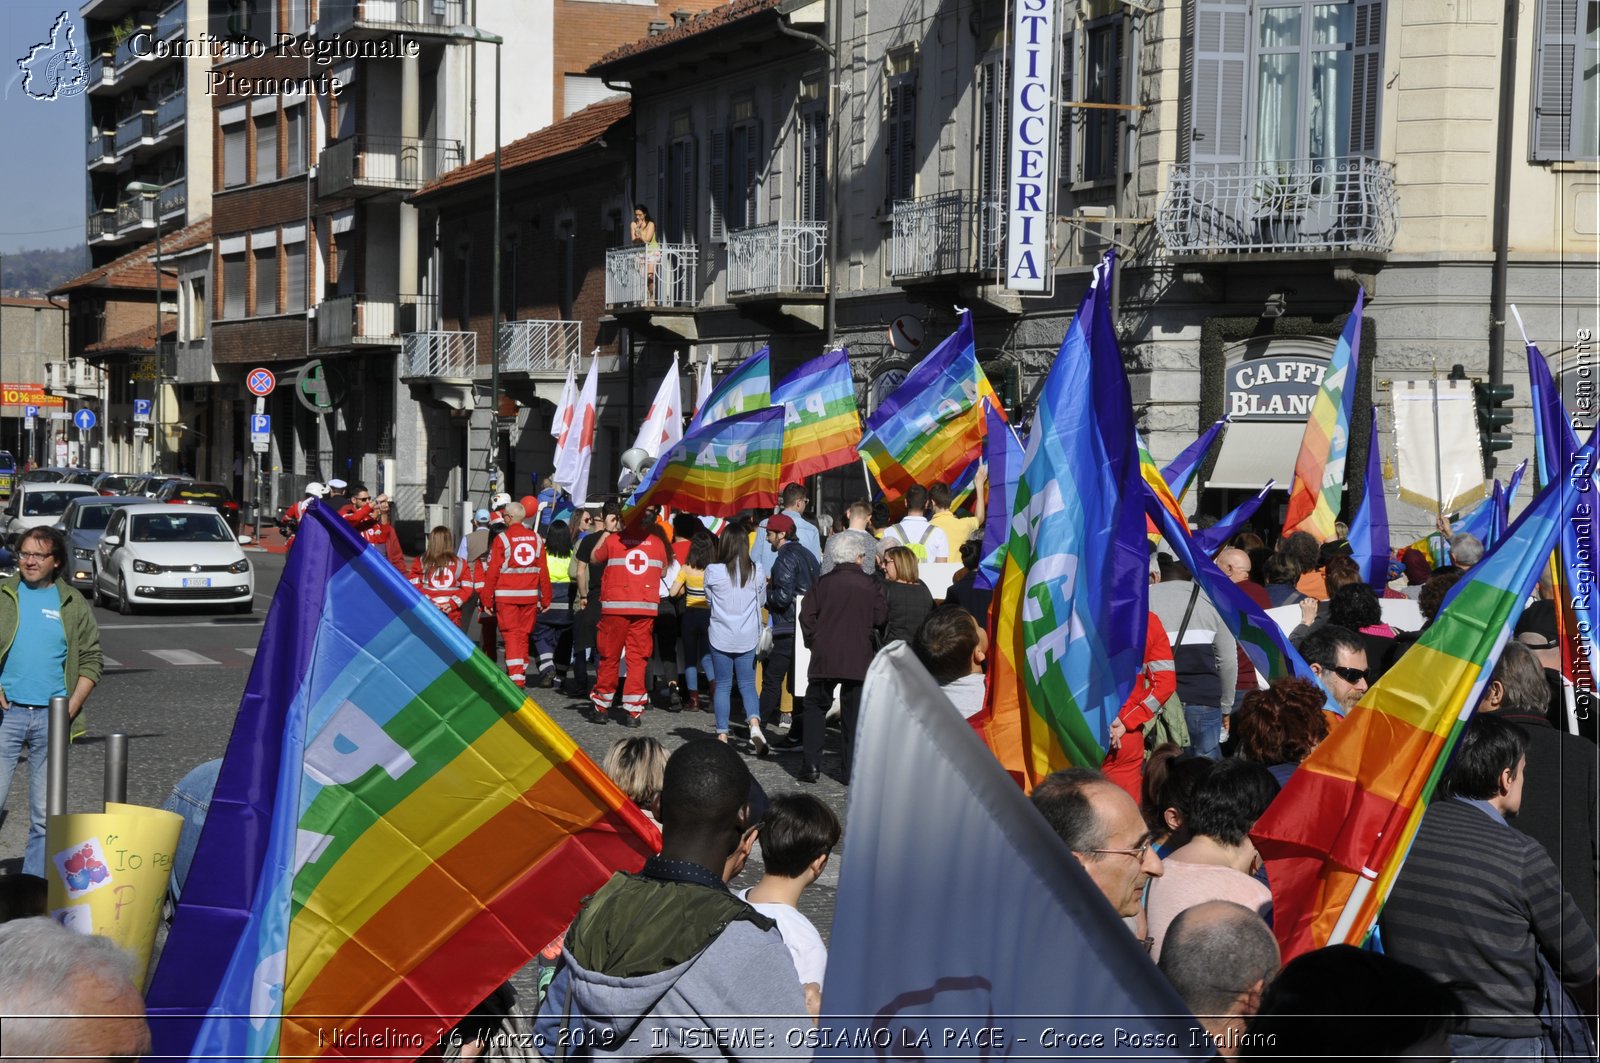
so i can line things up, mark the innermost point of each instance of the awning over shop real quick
(1254, 452)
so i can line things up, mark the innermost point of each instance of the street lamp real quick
(476, 35)
(152, 192)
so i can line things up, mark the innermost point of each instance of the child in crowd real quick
(638, 766)
(798, 832)
(953, 648)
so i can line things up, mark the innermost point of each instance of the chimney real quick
(679, 17)
(657, 27)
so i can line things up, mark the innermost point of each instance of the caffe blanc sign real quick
(1030, 176)
(1274, 389)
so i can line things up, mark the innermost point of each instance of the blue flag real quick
(1216, 537)
(1002, 452)
(1179, 473)
(1369, 529)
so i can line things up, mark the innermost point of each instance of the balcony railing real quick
(665, 277)
(946, 234)
(1346, 204)
(102, 70)
(133, 130)
(413, 16)
(127, 54)
(135, 214)
(102, 225)
(173, 199)
(451, 355)
(376, 163)
(170, 112)
(783, 257)
(350, 320)
(539, 346)
(102, 148)
(170, 24)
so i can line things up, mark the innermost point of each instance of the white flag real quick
(663, 425)
(961, 916)
(575, 448)
(702, 390)
(569, 395)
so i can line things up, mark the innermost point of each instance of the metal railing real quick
(126, 54)
(416, 16)
(102, 225)
(378, 162)
(539, 346)
(439, 354)
(171, 111)
(135, 213)
(663, 277)
(944, 234)
(102, 69)
(1344, 204)
(132, 131)
(170, 23)
(102, 148)
(785, 256)
(173, 198)
(358, 319)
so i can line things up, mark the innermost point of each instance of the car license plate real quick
(196, 581)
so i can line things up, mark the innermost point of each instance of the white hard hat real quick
(337, 485)
(315, 490)
(500, 501)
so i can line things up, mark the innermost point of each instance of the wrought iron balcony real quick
(173, 199)
(406, 16)
(948, 234)
(170, 112)
(539, 346)
(785, 257)
(135, 130)
(1346, 204)
(102, 148)
(375, 164)
(665, 277)
(441, 355)
(357, 320)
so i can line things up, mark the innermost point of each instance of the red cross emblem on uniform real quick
(522, 553)
(637, 561)
(443, 578)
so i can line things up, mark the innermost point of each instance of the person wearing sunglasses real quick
(1338, 656)
(49, 647)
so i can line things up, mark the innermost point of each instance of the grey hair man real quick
(858, 515)
(1465, 550)
(1220, 957)
(1102, 826)
(67, 995)
(515, 513)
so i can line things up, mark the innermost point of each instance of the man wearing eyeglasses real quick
(49, 647)
(1103, 828)
(1338, 656)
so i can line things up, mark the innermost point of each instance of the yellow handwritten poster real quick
(108, 873)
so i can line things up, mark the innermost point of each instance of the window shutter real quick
(719, 183)
(752, 173)
(1221, 55)
(267, 147)
(233, 155)
(1554, 60)
(662, 207)
(991, 144)
(1366, 78)
(294, 277)
(1069, 94)
(233, 286)
(691, 181)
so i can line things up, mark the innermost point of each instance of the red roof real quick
(704, 22)
(20, 300)
(572, 134)
(136, 269)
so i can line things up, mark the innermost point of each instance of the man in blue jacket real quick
(793, 572)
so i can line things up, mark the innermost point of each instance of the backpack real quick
(920, 547)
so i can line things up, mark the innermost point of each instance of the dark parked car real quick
(83, 523)
(151, 482)
(58, 474)
(115, 483)
(190, 493)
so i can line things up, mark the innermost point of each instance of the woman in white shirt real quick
(735, 587)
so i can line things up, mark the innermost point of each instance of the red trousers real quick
(636, 635)
(516, 628)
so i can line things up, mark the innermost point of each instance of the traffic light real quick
(1494, 420)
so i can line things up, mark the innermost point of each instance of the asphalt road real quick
(173, 683)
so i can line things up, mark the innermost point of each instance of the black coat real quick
(794, 571)
(837, 620)
(1558, 806)
(909, 606)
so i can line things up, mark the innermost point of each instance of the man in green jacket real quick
(49, 647)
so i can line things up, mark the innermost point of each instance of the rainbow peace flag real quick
(1319, 469)
(721, 468)
(1071, 618)
(1002, 451)
(1179, 472)
(1335, 838)
(396, 829)
(748, 387)
(1157, 482)
(932, 426)
(820, 424)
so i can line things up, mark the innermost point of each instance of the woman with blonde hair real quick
(638, 766)
(910, 600)
(442, 577)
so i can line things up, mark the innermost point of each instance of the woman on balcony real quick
(643, 232)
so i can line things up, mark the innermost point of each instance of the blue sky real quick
(41, 142)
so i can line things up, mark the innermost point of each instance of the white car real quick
(156, 554)
(35, 505)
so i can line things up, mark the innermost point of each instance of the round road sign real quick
(260, 381)
(905, 334)
(84, 419)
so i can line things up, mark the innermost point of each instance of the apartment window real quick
(235, 280)
(266, 146)
(195, 309)
(900, 128)
(1102, 83)
(991, 127)
(294, 272)
(812, 173)
(234, 148)
(294, 136)
(677, 177)
(744, 167)
(1071, 117)
(1566, 88)
(264, 252)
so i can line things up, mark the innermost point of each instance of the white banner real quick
(1030, 179)
(1435, 457)
(575, 448)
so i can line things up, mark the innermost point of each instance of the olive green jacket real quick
(77, 621)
